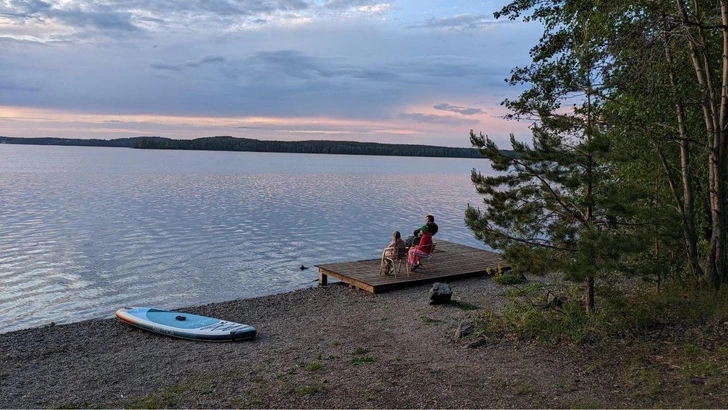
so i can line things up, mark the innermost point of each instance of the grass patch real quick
(361, 350)
(361, 356)
(668, 347)
(531, 313)
(314, 367)
(74, 406)
(361, 360)
(509, 278)
(311, 389)
(522, 389)
(168, 397)
(428, 320)
(505, 277)
(465, 305)
(586, 404)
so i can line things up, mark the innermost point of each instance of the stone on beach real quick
(440, 293)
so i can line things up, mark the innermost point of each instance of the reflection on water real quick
(84, 231)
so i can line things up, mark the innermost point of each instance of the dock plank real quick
(452, 261)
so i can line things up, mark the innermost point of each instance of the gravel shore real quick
(323, 347)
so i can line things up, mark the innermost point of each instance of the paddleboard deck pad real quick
(185, 325)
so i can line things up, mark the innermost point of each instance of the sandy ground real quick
(323, 347)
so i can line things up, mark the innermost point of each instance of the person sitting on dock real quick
(390, 252)
(415, 238)
(421, 249)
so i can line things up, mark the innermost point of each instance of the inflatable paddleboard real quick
(185, 325)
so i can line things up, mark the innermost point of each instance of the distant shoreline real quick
(226, 143)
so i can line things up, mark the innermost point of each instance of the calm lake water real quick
(87, 230)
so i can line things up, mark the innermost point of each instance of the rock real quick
(440, 293)
(480, 342)
(465, 329)
(554, 301)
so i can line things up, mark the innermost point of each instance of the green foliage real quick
(505, 277)
(635, 89)
(465, 305)
(529, 315)
(617, 175)
(314, 367)
(164, 398)
(361, 360)
(508, 278)
(311, 389)
(428, 320)
(361, 350)
(555, 204)
(361, 356)
(624, 313)
(690, 364)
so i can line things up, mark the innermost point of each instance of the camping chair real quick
(427, 258)
(397, 259)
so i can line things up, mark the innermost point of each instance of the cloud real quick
(345, 4)
(291, 63)
(459, 110)
(146, 16)
(80, 15)
(460, 22)
(23, 9)
(360, 6)
(349, 60)
(189, 64)
(435, 119)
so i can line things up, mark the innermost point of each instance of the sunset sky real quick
(400, 71)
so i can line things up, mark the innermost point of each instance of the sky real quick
(391, 71)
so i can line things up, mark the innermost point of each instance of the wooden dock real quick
(452, 261)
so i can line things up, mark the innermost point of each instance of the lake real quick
(87, 230)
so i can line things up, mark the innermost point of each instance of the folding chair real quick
(396, 258)
(427, 258)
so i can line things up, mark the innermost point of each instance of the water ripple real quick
(95, 230)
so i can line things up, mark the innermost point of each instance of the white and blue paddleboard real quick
(185, 325)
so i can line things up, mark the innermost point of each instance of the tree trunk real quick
(687, 208)
(721, 146)
(717, 171)
(715, 123)
(590, 306)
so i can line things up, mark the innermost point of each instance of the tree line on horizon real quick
(626, 173)
(226, 143)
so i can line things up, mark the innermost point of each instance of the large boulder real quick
(440, 293)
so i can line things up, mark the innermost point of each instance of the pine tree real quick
(553, 205)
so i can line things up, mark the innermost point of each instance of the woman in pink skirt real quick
(421, 249)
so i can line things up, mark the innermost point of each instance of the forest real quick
(225, 143)
(621, 189)
(626, 169)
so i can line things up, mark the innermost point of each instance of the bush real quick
(505, 277)
(620, 313)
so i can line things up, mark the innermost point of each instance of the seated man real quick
(431, 225)
(415, 238)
